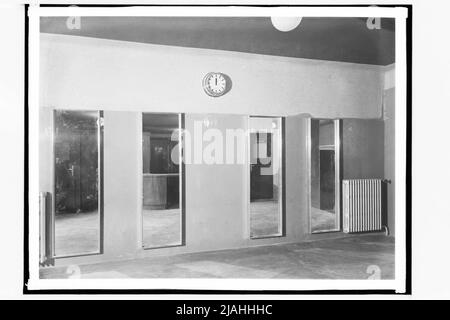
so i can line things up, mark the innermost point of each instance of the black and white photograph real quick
(234, 147)
(239, 149)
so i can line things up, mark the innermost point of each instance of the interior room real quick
(77, 222)
(216, 147)
(265, 207)
(324, 176)
(161, 215)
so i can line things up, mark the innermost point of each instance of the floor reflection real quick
(161, 227)
(264, 218)
(76, 233)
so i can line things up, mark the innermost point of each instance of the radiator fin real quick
(362, 205)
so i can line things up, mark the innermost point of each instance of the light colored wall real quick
(389, 143)
(216, 195)
(297, 178)
(215, 199)
(90, 73)
(85, 73)
(121, 182)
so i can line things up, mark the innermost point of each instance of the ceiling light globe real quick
(285, 24)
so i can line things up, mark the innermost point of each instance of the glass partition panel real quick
(265, 206)
(161, 207)
(77, 138)
(324, 175)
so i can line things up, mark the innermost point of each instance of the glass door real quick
(325, 178)
(162, 180)
(266, 179)
(77, 173)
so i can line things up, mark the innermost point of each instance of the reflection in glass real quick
(161, 214)
(323, 176)
(265, 177)
(76, 221)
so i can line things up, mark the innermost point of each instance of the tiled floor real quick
(343, 258)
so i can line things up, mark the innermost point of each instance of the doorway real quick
(76, 218)
(265, 203)
(162, 180)
(325, 175)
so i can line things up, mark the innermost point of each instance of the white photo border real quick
(398, 284)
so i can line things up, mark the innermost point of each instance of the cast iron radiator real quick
(45, 229)
(42, 231)
(362, 205)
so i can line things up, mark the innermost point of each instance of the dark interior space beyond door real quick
(327, 180)
(77, 170)
(261, 185)
(161, 200)
(265, 164)
(325, 175)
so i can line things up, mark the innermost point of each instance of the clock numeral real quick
(214, 84)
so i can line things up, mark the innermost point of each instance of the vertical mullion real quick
(181, 180)
(100, 179)
(337, 175)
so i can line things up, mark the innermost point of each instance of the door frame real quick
(181, 187)
(281, 192)
(51, 218)
(337, 174)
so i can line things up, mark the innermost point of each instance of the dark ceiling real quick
(335, 39)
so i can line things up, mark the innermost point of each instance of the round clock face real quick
(215, 84)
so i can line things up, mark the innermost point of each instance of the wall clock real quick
(216, 84)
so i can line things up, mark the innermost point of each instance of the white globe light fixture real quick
(285, 24)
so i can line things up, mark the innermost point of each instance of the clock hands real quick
(214, 84)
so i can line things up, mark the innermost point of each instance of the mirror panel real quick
(161, 206)
(324, 175)
(265, 160)
(76, 221)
